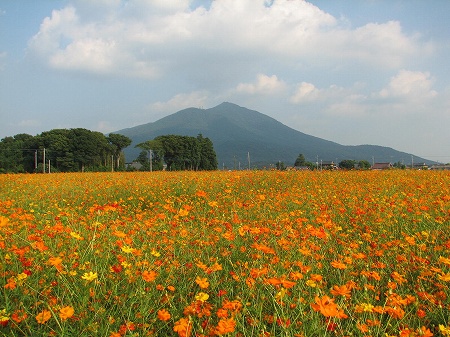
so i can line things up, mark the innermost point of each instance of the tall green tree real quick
(208, 158)
(347, 164)
(300, 161)
(118, 143)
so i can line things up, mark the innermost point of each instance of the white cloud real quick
(410, 84)
(148, 38)
(264, 85)
(305, 92)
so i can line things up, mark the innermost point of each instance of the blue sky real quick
(354, 72)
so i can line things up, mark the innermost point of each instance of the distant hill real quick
(236, 132)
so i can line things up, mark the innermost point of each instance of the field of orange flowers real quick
(243, 253)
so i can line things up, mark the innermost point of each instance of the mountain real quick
(238, 133)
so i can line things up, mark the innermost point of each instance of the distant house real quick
(134, 166)
(328, 165)
(382, 166)
(299, 168)
(420, 166)
(440, 167)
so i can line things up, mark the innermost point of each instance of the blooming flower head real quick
(127, 249)
(327, 307)
(163, 315)
(149, 275)
(444, 330)
(66, 312)
(4, 318)
(89, 276)
(43, 316)
(202, 282)
(225, 326)
(202, 297)
(183, 327)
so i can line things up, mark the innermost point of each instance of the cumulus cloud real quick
(148, 38)
(305, 92)
(409, 84)
(264, 85)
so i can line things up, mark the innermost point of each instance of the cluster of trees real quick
(348, 164)
(345, 164)
(179, 153)
(65, 150)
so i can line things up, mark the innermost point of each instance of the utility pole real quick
(49, 166)
(35, 161)
(112, 163)
(43, 162)
(150, 158)
(248, 156)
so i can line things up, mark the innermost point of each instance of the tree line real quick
(63, 150)
(178, 153)
(75, 150)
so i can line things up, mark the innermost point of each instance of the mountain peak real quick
(237, 131)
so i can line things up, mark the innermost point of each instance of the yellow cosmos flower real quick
(21, 276)
(127, 249)
(76, 236)
(311, 283)
(203, 297)
(89, 276)
(444, 277)
(444, 260)
(155, 253)
(444, 330)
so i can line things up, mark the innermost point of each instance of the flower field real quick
(243, 253)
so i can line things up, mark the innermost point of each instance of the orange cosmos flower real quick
(43, 316)
(66, 312)
(327, 307)
(19, 316)
(201, 193)
(341, 291)
(225, 326)
(425, 332)
(338, 265)
(183, 327)
(202, 282)
(163, 315)
(149, 276)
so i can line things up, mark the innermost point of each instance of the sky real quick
(353, 72)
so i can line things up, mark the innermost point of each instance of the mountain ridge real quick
(237, 131)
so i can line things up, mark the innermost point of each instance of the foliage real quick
(280, 166)
(242, 253)
(347, 164)
(118, 143)
(67, 150)
(399, 165)
(300, 161)
(364, 165)
(183, 152)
